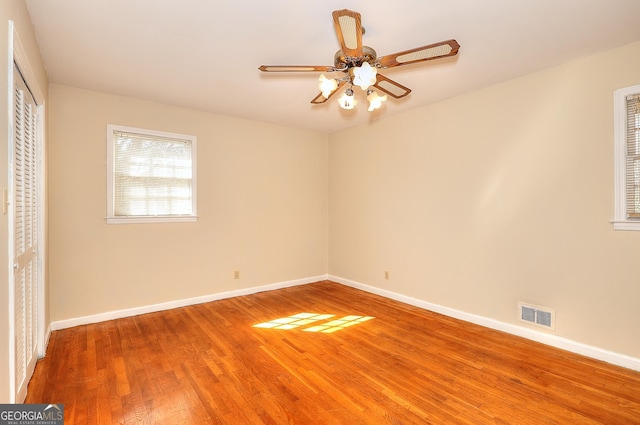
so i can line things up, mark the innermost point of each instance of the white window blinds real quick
(633, 156)
(153, 173)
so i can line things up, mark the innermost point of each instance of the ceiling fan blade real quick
(349, 31)
(295, 68)
(390, 87)
(321, 99)
(419, 54)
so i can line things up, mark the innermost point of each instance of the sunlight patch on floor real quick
(304, 319)
(295, 321)
(339, 324)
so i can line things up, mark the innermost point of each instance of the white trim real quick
(47, 337)
(41, 170)
(625, 225)
(532, 334)
(118, 314)
(153, 219)
(17, 54)
(20, 57)
(620, 221)
(11, 232)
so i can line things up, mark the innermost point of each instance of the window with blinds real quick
(627, 158)
(151, 176)
(632, 187)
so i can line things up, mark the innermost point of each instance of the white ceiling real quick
(204, 54)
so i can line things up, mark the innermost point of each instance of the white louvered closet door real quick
(25, 235)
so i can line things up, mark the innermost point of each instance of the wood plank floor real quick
(208, 364)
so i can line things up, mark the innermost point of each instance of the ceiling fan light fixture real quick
(360, 65)
(375, 100)
(327, 85)
(347, 100)
(364, 75)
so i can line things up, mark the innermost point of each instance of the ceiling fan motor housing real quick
(342, 61)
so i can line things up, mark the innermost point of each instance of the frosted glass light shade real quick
(347, 100)
(364, 76)
(375, 100)
(327, 85)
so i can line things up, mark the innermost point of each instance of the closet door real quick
(25, 220)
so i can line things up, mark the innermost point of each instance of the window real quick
(627, 158)
(151, 176)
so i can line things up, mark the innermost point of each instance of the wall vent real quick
(539, 316)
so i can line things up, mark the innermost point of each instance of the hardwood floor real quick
(208, 364)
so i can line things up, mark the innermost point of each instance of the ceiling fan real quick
(359, 64)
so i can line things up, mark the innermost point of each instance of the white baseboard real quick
(118, 314)
(532, 334)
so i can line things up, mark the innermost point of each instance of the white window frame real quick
(620, 220)
(111, 217)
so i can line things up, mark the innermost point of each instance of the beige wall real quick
(495, 197)
(15, 11)
(262, 202)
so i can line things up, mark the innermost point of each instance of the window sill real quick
(153, 219)
(626, 225)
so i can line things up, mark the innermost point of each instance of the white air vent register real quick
(539, 316)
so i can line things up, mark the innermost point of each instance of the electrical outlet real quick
(386, 275)
(236, 274)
